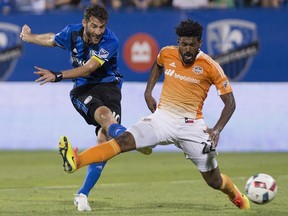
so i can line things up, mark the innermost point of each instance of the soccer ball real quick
(261, 188)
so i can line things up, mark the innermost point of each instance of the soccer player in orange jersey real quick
(177, 119)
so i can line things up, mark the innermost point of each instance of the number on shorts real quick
(208, 147)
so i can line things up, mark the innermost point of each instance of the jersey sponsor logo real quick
(10, 48)
(187, 79)
(169, 72)
(197, 70)
(173, 64)
(140, 52)
(233, 44)
(172, 73)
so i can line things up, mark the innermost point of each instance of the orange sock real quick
(98, 153)
(228, 187)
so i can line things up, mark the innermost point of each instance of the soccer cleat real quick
(69, 155)
(145, 150)
(81, 202)
(241, 201)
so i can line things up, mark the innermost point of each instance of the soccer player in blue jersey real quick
(96, 93)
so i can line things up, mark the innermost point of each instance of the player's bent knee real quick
(126, 142)
(104, 117)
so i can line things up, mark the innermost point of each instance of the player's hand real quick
(26, 31)
(151, 103)
(45, 75)
(213, 135)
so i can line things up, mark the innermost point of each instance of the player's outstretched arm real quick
(52, 76)
(46, 39)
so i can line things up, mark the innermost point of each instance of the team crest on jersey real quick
(10, 48)
(225, 84)
(197, 70)
(233, 44)
(103, 54)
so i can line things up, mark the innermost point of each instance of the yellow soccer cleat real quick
(241, 201)
(69, 155)
(145, 150)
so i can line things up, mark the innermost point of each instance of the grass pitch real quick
(34, 183)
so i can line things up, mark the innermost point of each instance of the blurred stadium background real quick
(248, 40)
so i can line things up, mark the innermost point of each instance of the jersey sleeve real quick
(63, 38)
(160, 57)
(220, 80)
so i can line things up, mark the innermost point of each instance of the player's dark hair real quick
(96, 11)
(189, 28)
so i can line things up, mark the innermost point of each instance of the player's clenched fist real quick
(26, 30)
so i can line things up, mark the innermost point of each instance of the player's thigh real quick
(193, 141)
(112, 100)
(144, 134)
(152, 130)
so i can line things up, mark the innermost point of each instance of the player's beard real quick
(188, 58)
(93, 38)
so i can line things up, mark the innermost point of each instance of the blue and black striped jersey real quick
(71, 39)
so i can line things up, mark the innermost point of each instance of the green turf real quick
(34, 183)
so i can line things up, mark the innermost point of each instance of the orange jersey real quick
(185, 88)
